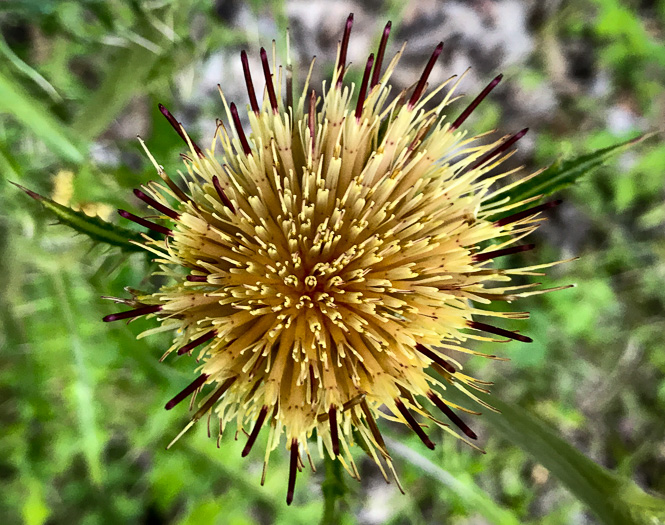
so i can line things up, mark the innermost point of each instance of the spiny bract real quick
(328, 264)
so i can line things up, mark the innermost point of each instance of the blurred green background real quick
(81, 406)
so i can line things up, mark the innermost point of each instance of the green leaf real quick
(616, 501)
(37, 118)
(94, 227)
(563, 173)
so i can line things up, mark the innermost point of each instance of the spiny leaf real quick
(94, 227)
(563, 173)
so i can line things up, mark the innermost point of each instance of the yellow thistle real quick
(332, 262)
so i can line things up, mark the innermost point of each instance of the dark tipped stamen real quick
(498, 331)
(146, 224)
(371, 423)
(379, 56)
(341, 64)
(241, 133)
(526, 213)
(255, 431)
(334, 431)
(156, 205)
(293, 469)
(500, 149)
(465, 114)
(451, 415)
(248, 81)
(196, 342)
(179, 130)
(222, 196)
(197, 278)
(311, 120)
(130, 314)
(481, 257)
(363, 88)
(413, 424)
(420, 87)
(269, 85)
(213, 399)
(187, 391)
(438, 360)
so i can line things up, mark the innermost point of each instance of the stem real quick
(334, 490)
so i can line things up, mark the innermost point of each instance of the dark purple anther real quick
(222, 196)
(481, 257)
(420, 87)
(156, 205)
(293, 469)
(196, 342)
(363, 88)
(130, 314)
(146, 224)
(465, 114)
(193, 386)
(178, 127)
(241, 133)
(498, 331)
(451, 415)
(438, 360)
(343, 48)
(255, 431)
(501, 148)
(526, 213)
(376, 75)
(248, 80)
(334, 431)
(269, 84)
(197, 278)
(414, 424)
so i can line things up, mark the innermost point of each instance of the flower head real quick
(334, 260)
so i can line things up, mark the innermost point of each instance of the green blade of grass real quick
(36, 117)
(126, 77)
(472, 495)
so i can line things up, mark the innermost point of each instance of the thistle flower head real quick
(334, 260)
